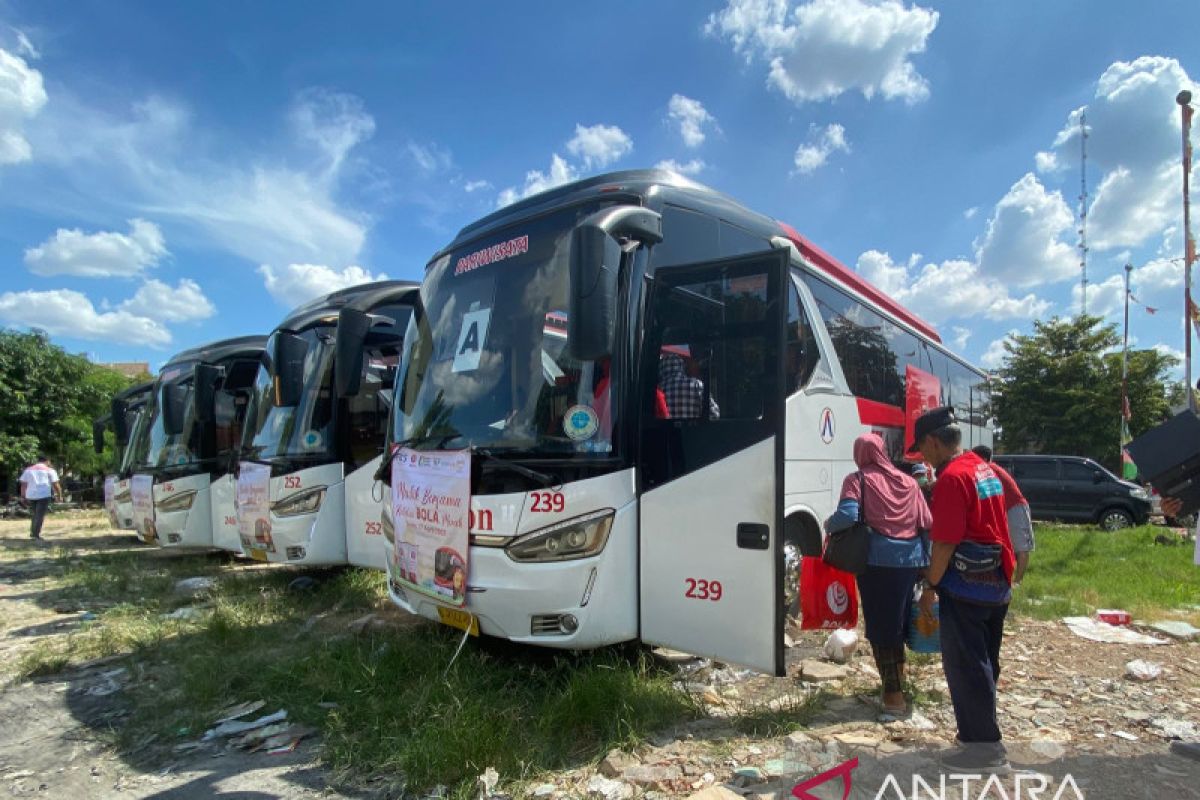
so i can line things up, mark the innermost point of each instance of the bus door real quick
(711, 475)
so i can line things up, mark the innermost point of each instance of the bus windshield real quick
(129, 453)
(304, 430)
(172, 449)
(486, 361)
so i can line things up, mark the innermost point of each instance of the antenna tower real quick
(1083, 203)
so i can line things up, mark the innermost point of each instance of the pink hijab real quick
(895, 506)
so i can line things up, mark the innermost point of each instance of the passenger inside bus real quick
(603, 401)
(684, 393)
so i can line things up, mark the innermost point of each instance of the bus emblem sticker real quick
(827, 425)
(580, 423)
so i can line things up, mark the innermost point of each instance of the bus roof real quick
(641, 183)
(135, 393)
(363, 297)
(218, 350)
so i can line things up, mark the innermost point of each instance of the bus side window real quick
(801, 349)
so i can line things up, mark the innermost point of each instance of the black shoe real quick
(974, 758)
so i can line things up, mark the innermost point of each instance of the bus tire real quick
(799, 532)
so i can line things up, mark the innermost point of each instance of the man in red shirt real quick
(1020, 521)
(971, 568)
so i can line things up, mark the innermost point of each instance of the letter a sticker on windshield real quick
(471, 340)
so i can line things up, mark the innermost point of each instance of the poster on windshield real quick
(141, 493)
(110, 499)
(431, 499)
(254, 508)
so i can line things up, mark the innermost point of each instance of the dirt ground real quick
(1069, 711)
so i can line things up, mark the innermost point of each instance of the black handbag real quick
(847, 549)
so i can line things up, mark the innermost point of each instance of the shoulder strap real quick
(862, 498)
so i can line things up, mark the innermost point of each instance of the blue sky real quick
(176, 173)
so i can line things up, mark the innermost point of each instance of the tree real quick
(1060, 390)
(48, 399)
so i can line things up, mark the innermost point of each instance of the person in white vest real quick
(38, 484)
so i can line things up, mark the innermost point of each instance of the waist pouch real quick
(976, 575)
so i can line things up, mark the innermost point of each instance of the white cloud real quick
(824, 48)
(1159, 274)
(276, 207)
(599, 145)
(66, 313)
(25, 47)
(157, 301)
(821, 145)
(1133, 143)
(1104, 298)
(333, 121)
(22, 96)
(1047, 161)
(477, 186)
(995, 355)
(105, 254)
(1023, 245)
(693, 167)
(560, 172)
(299, 283)
(971, 212)
(953, 289)
(960, 336)
(430, 158)
(691, 116)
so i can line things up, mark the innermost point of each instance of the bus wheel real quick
(791, 578)
(799, 534)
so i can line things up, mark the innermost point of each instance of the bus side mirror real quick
(595, 265)
(352, 330)
(174, 406)
(98, 435)
(120, 421)
(289, 354)
(206, 378)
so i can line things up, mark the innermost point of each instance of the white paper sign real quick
(471, 340)
(254, 507)
(431, 499)
(110, 499)
(141, 494)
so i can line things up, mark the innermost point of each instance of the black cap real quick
(929, 422)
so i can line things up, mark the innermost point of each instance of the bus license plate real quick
(258, 555)
(459, 619)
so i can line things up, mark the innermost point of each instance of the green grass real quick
(401, 709)
(1076, 570)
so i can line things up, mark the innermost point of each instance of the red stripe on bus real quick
(872, 412)
(836, 269)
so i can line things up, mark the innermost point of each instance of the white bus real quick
(187, 448)
(597, 519)
(125, 415)
(318, 419)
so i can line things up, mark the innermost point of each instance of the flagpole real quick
(1125, 373)
(1184, 100)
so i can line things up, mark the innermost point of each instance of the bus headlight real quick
(177, 502)
(305, 502)
(571, 539)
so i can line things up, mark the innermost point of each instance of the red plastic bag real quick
(828, 597)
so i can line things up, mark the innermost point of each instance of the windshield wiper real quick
(512, 466)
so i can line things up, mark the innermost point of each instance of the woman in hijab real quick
(893, 505)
